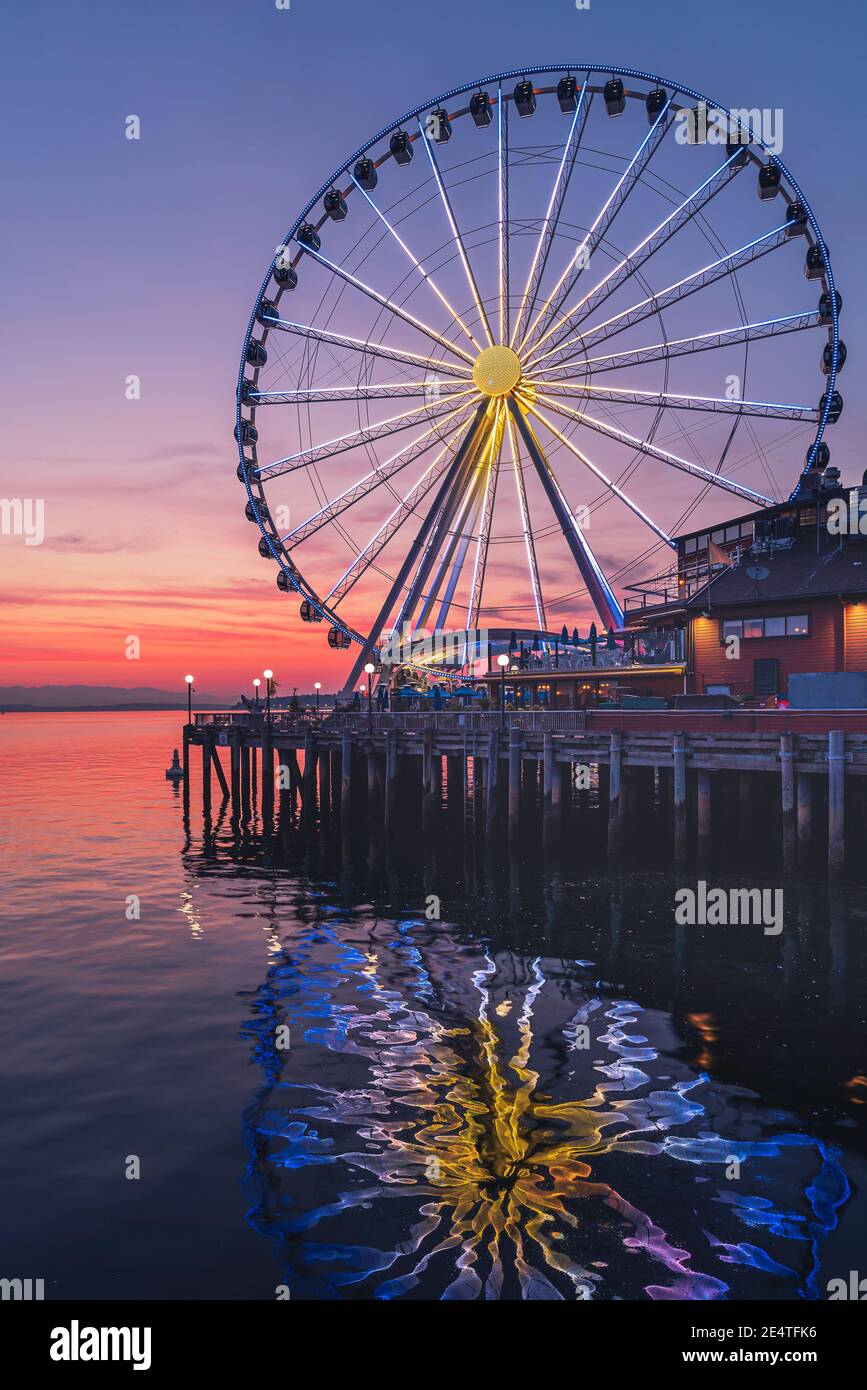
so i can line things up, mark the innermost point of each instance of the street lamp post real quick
(502, 662)
(369, 670)
(317, 687)
(189, 681)
(256, 684)
(269, 676)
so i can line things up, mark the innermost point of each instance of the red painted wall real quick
(822, 650)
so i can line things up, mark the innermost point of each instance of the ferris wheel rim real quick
(295, 580)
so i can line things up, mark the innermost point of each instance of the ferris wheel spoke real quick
(550, 310)
(503, 213)
(365, 486)
(599, 589)
(673, 400)
(387, 354)
(647, 447)
(632, 262)
(701, 342)
(526, 526)
(387, 303)
(453, 503)
(451, 557)
(483, 539)
(673, 294)
(473, 431)
(368, 435)
(370, 552)
(489, 473)
(462, 250)
(387, 391)
(612, 486)
(552, 214)
(417, 264)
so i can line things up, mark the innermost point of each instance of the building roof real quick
(795, 573)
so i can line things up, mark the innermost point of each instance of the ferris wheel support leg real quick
(415, 550)
(604, 601)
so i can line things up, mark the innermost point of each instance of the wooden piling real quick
(346, 784)
(549, 782)
(391, 781)
(787, 801)
(615, 793)
(493, 781)
(514, 784)
(836, 804)
(235, 764)
(679, 768)
(703, 812)
(267, 776)
(308, 785)
(218, 768)
(206, 776)
(805, 816)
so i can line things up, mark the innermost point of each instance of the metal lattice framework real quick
(501, 348)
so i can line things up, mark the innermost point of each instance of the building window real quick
(717, 690)
(752, 629)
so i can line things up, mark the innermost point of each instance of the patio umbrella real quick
(594, 638)
(575, 638)
(610, 641)
(564, 635)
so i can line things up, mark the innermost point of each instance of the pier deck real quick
(699, 769)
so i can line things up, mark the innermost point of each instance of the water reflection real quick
(456, 1118)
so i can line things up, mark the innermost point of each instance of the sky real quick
(143, 258)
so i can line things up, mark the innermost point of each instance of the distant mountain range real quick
(24, 698)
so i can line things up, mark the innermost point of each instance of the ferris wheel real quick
(517, 339)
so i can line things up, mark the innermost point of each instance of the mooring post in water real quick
(514, 783)
(615, 792)
(703, 807)
(549, 782)
(345, 783)
(836, 803)
(391, 781)
(787, 800)
(493, 780)
(679, 764)
(805, 815)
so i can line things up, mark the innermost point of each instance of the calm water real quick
(551, 1092)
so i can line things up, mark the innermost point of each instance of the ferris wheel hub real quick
(497, 371)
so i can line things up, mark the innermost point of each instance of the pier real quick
(786, 784)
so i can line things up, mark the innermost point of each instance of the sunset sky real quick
(144, 257)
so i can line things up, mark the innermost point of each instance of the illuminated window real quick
(798, 626)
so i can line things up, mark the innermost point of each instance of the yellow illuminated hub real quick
(497, 371)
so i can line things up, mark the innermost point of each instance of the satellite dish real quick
(757, 572)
